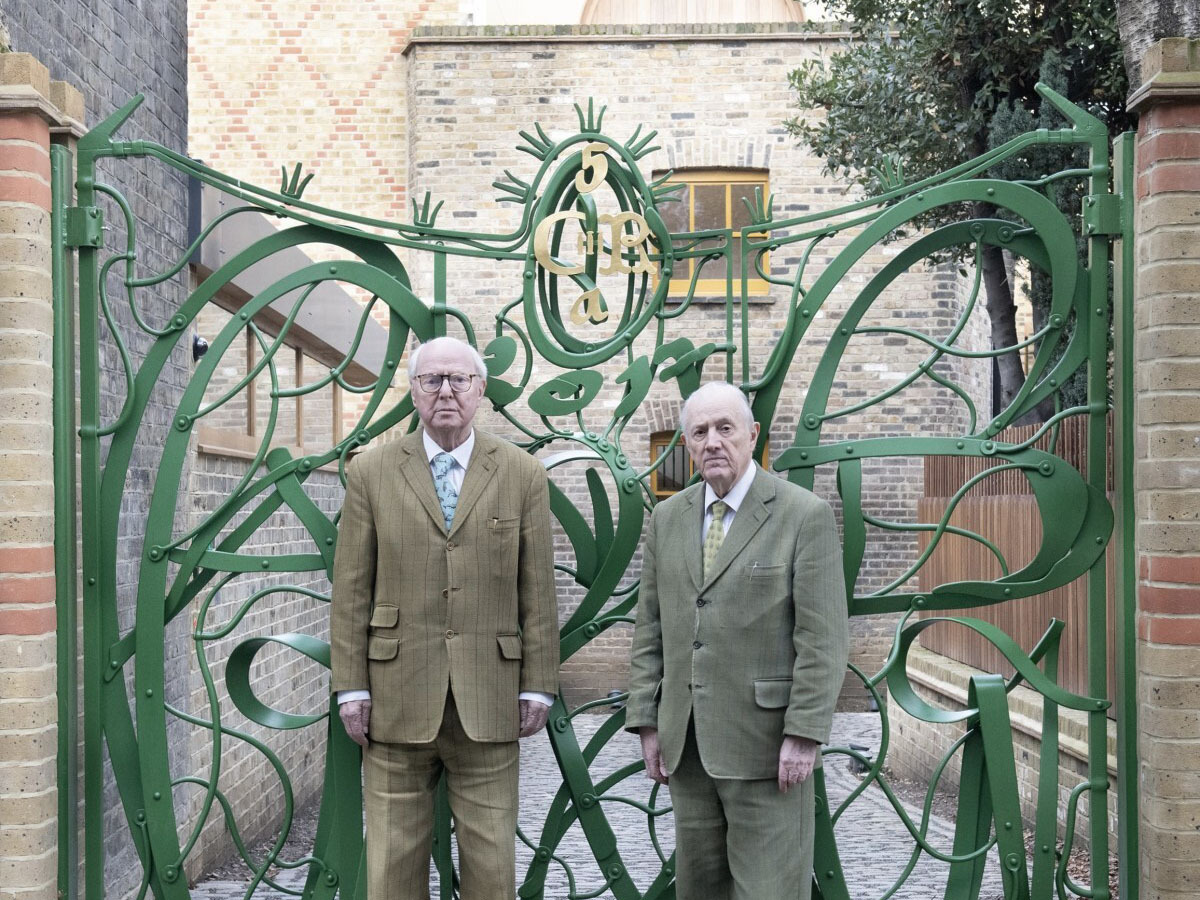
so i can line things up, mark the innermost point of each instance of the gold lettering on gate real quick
(627, 235)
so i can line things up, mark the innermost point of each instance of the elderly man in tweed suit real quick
(444, 630)
(738, 657)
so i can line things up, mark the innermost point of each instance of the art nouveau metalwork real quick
(596, 262)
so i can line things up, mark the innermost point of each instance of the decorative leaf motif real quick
(637, 379)
(566, 394)
(593, 123)
(294, 187)
(422, 215)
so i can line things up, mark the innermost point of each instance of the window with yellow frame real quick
(710, 199)
(676, 469)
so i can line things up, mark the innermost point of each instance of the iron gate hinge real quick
(85, 226)
(1101, 214)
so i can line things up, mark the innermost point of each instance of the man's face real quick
(720, 443)
(446, 412)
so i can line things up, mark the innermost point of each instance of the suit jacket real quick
(418, 611)
(757, 648)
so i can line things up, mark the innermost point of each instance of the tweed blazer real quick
(754, 650)
(418, 610)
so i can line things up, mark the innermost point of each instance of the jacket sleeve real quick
(821, 635)
(646, 664)
(353, 584)
(536, 595)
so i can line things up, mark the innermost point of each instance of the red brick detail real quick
(1169, 146)
(23, 158)
(1181, 177)
(1170, 600)
(27, 559)
(1170, 115)
(23, 189)
(28, 621)
(1180, 630)
(25, 126)
(38, 589)
(1173, 569)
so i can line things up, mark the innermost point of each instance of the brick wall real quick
(114, 50)
(317, 83)
(472, 90)
(1166, 380)
(30, 105)
(280, 678)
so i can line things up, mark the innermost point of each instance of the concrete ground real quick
(874, 845)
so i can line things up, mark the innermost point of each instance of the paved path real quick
(874, 845)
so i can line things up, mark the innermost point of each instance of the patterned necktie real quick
(716, 534)
(446, 492)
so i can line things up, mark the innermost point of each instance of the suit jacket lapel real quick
(415, 469)
(750, 517)
(479, 475)
(693, 520)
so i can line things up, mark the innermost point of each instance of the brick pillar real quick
(28, 699)
(1166, 381)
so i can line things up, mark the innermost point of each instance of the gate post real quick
(1166, 463)
(34, 112)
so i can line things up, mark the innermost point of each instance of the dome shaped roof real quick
(692, 12)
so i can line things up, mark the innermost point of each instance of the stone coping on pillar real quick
(1172, 71)
(25, 85)
(725, 31)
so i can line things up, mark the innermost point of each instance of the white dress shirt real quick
(733, 500)
(462, 457)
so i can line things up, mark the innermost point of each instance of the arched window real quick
(673, 475)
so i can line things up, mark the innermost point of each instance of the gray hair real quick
(715, 387)
(476, 360)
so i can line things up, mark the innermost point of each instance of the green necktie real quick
(716, 534)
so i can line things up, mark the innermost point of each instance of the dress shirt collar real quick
(461, 453)
(736, 494)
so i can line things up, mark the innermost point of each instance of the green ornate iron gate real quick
(588, 189)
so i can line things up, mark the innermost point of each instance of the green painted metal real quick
(555, 317)
(1124, 184)
(65, 536)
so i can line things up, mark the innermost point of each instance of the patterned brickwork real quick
(1167, 459)
(318, 83)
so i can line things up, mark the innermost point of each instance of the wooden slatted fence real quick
(1003, 510)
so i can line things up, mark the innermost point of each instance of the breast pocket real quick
(762, 589)
(503, 539)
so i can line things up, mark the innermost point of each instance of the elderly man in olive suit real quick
(738, 656)
(444, 630)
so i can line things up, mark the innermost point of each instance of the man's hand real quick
(656, 766)
(797, 757)
(533, 717)
(356, 717)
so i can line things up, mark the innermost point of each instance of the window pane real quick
(673, 474)
(713, 268)
(710, 206)
(675, 213)
(751, 257)
(737, 209)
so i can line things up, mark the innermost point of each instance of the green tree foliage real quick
(932, 83)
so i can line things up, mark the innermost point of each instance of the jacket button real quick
(449, 634)
(449, 545)
(696, 645)
(700, 601)
(445, 593)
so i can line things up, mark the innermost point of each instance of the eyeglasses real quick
(432, 383)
